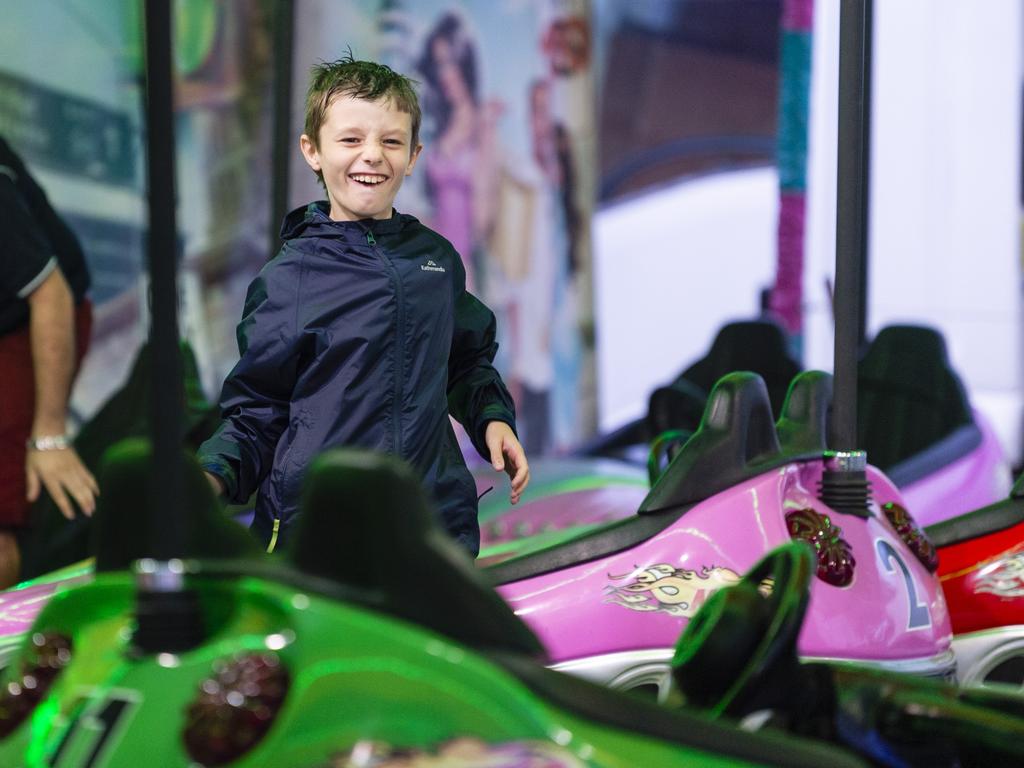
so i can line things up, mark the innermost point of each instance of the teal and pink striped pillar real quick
(786, 300)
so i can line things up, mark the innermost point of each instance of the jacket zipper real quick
(273, 536)
(396, 407)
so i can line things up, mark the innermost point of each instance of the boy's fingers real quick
(507, 454)
(519, 479)
(522, 476)
(497, 457)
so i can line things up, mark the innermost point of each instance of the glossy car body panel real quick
(971, 481)
(642, 597)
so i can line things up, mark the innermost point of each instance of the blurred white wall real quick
(669, 268)
(672, 266)
(945, 207)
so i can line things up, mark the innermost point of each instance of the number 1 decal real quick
(91, 734)
(920, 617)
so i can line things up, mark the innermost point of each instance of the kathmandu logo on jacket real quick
(431, 266)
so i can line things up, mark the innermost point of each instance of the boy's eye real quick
(350, 140)
(393, 142)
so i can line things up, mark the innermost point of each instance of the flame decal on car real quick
(666, 589)
(1003, 578)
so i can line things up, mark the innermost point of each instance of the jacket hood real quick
(313, 220)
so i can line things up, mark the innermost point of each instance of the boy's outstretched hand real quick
(507, 454)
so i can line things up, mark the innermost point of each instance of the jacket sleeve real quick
(476, 393)
(256, 396)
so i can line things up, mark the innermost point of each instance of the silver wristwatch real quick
(48, 443)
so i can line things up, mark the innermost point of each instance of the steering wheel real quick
(738, 653)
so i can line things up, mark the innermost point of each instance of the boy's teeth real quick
(367, 179)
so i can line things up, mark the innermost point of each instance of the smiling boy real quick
(360, 331)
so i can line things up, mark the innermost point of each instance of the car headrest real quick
(735, 441)
(366, 523)
(803, 425)
(122, 530)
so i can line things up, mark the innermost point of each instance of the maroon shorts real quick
(17, 409)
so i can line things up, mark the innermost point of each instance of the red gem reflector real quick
(234, 709)
(912, 535)
(48, 654)
(834, 553)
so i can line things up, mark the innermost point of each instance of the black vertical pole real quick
(851, 213)
(167, 614)
(166, 406)
(281, 143)
(844, 485)
(865, 262)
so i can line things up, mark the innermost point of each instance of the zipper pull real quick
(369, 238)
(273, 536)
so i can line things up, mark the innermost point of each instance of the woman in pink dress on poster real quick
(461, 166)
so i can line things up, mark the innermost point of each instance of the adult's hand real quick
(508, 455)
(64, 477)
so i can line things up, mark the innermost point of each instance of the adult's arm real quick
(52, 338)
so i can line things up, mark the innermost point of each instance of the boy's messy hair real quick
(361, 80)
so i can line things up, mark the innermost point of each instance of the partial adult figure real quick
(45, 322)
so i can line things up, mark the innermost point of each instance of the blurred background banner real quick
(70, 103)
(611, 265)
(506, 175)
(506, 172)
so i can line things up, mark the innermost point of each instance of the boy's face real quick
(364, 154)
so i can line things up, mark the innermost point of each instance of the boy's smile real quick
(364, 154)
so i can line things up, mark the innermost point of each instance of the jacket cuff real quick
(223, 471)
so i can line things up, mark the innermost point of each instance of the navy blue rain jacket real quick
(358, 333)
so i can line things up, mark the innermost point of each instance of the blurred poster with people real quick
(223, 131)
(506, 172)
(69, 106)
(71, 95)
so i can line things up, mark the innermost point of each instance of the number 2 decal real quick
(920, 617)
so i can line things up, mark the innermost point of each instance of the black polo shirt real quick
(33, 241)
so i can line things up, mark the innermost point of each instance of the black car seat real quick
(758, 346)
(908, 396)
(743, 345)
